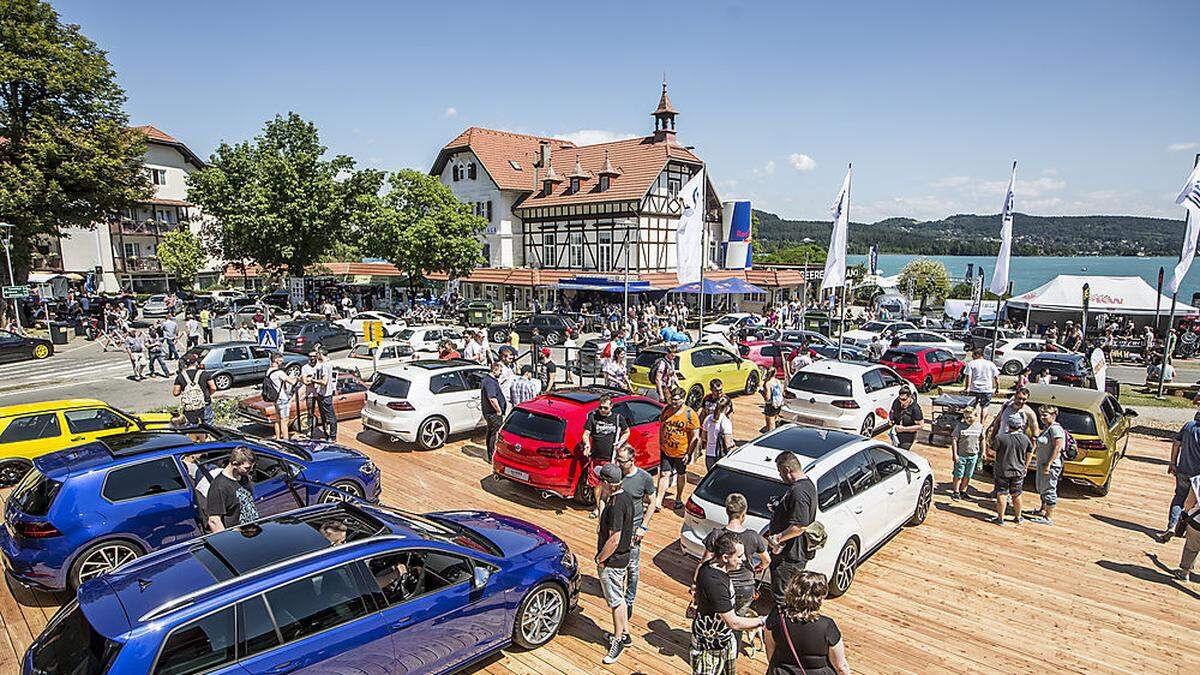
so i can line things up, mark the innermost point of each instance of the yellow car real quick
(698, 367)
(1099, 425)
(33, 429)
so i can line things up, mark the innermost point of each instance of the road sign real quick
(373, 332)
(269, 338)
(11, 292)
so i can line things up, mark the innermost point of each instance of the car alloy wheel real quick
(927, 383)
(432, 434)
(923, 502)
(349, 487)
(843, 570)
(540, 616)
(868, 426)
(103, 558)
(223, 381)
(41, 351)
(499, 336)
(293, 370)
(1012, 367)
(551, 339)
(752, 382)
(13, 470)
(695, 397)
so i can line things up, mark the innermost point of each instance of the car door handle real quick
(400, 623)
(285, 667)
(891, 491)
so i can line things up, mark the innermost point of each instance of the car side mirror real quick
(1131, 413)
(480, 577)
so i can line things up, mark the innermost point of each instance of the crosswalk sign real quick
(269, 338)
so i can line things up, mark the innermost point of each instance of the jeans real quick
(328, 418)
(631, 578)
(208, 334)
(1047, 484)
(207, 414)
(493, 429)
(781, 571)
(157, 357)
(1183, 484)
(172, 352)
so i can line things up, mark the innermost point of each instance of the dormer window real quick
(603, 183)
(547, 187)
(456, 173)
(574, 185)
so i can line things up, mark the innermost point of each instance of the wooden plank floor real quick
(1093, 593)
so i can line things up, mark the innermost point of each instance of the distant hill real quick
(980, 235)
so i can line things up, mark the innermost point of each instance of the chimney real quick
(541, 161)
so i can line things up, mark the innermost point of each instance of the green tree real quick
(181, 254)
(962, 291)
(276, 201)
(794, 255)
(927, 278)
(67, 156)
(420, 227)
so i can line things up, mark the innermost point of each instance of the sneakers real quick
(1164, 536)
(615, 647)
(954, 495)
(626, 640)
(998, 520)
(1040, 520)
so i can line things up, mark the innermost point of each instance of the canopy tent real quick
(731, 286)
(1109, 295)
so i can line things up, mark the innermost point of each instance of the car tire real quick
(41, 352)
(552, 339)
(752, 382)
(924, 501)
(844, 568)
(868, 426)
(926, 384)
(1102, 490)
(352, 342)
(540, 615)
(301, 422)
(222, 381)
(348, 486)
(499, 336)
(695, 397)
(99, 558)
(585, 493)
(13, 470)
(432, 433)
(1012, 367)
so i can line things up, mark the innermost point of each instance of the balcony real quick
(145, 227)
(132, 264)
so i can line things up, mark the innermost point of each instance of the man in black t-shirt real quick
(603, 431)
(794, 512)
(907, 416)
(614, 538)
(714, 647)
(230, 499)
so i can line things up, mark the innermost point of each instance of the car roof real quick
(1070, 397)
(587, 394)
(428, 366)
(1059, 356)
(843, 368)
(809, 443)
(432, 326)
(911, 349)
(47, 406)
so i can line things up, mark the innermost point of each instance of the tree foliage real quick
(277, 201)
(928, 279)
(420, 227)
(181, 254)
(794, 255)
(67, 156)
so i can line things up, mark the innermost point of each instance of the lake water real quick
(1027, 273)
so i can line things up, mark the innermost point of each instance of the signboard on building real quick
(11, 292)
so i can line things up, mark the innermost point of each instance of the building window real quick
(549, 256)
(488, 213)
(456, 173)
(133, 249)
(471, 171)
(673, 186)
(487, 254)
(576, 249)
(603, 183)
(604, 250)
(574, 185)
(158, 176)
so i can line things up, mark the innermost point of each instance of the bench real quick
(1185, 389)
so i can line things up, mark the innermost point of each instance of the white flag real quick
(1189, 198)
(689, 238)
(1000, 273)
(835, 260)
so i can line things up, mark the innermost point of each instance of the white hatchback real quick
(863, 335)
(731, 322)
(866, 490)
(427, 339)
(1013, 355)
(851, 396)
(925, 338)
(392, 324)
(425, 401)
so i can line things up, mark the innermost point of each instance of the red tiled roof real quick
(156, 134)
(494, 150)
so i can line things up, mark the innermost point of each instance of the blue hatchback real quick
(347, 588)
(85, 510)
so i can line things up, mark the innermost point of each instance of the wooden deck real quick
(1093, 593)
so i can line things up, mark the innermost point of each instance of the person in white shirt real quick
(285, 386)
(983, 379)
(718, 432)
(507, 375)
(473, 351)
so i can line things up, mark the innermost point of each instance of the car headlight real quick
(569, 561)
(368, 468)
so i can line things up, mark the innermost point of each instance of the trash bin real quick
(479, 314)
(58, 332)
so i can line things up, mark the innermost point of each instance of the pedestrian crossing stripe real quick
(269, 338)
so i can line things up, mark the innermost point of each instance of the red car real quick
(925, 367)
(539, 443)
(767, 353)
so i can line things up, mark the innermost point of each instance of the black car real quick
(1072, 370)
(278, 298)
(15, 347)
(305, 336)
(553, 328)
(230, 362)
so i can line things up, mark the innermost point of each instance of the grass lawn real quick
(1131, 397)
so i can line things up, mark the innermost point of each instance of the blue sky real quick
(1099, 101)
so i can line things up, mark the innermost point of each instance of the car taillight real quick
(1090, 444)
(36, 530)
(846, 404)
(300, 340)
(401, 405)
(554, 451)
(999, 354)
(693, 508)
(1069, 378)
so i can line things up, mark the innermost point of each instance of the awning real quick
(604, 285)
(731, 286)
(44, 277)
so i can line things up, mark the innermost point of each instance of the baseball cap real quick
(609, 473)
(1015, 421)
(545, 351)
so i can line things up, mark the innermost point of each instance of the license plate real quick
(516, 473)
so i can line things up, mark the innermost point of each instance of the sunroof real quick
(806, 441)
(584, 394)
(434, 364)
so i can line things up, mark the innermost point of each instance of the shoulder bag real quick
(787, 634)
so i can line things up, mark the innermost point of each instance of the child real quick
(1023, 378)
(964, 451)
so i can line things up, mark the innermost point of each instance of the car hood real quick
(155, 420)
(513, 536)
(322, 451)
(860, 334)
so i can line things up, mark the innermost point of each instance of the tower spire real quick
(664, 116)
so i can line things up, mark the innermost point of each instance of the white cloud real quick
(767, 169)
(593, 136)
(451, 112)
(1176, 147)
(1049, 172)
(802, 162)
(951, 182)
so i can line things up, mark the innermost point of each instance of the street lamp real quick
(8, 228)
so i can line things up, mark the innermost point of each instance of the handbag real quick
(815, 537)
(788, 635)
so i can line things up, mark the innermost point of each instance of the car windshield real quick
(727, 320)
(760, 492)
(1055, 366)
(390, 386)
(292, 328)
(536, 426)
(157, 298)
(894, 356)
(874, 326)
(1076, 422)
(647, 359)
(406, 334)
(71, 645)
(443, 529)
(820, 383)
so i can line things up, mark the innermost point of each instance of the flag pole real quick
(1158, 297)
(1162, 367)
(703, 253)
(842, 318)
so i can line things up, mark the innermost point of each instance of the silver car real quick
(156, 306)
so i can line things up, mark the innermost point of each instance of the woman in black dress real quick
(799, 640)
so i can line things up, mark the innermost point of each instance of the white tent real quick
(1109, 295)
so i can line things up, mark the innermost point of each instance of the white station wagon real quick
(866, 490)
(425, 401)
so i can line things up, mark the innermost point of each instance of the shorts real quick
(284, 408)
(982, 398)
(772, 410)
(964, 465)
(1047, 484)
(672, 465)
(613, 581)
(1012, 485)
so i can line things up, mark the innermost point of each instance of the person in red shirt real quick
(448, 352)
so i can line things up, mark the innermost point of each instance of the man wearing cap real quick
(545, 369)
(1013, 449)
(613, 542)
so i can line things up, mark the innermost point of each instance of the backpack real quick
(192, 396)
(1070, 451)
(270, 392)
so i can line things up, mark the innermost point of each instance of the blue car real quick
(333, 588)
(82, 511)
